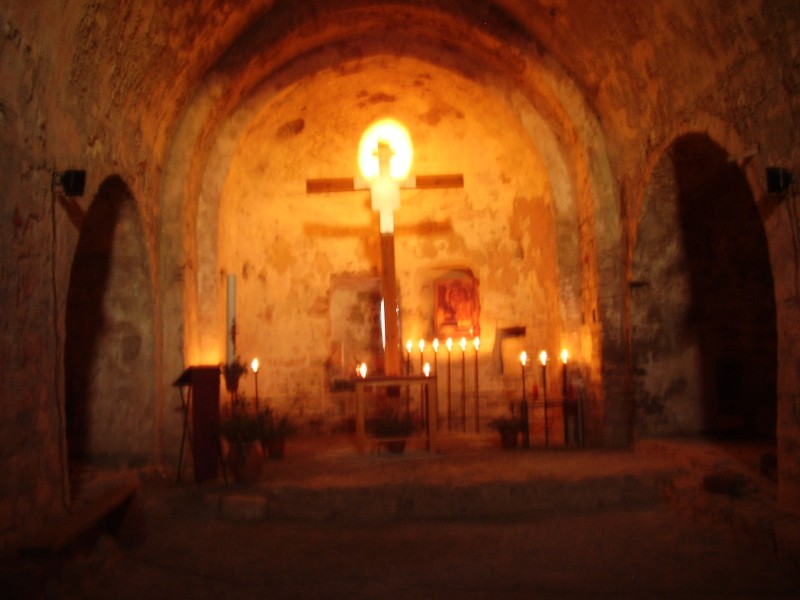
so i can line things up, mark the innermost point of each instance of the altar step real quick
(479, 483)
(497, 500)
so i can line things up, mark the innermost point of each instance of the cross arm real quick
(335, 184)
(450, 180)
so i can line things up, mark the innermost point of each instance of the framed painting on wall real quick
(457, 305)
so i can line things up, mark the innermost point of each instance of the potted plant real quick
(392, 429)
(508, 428)
(242, 430)
(232, 373)
(275, 429)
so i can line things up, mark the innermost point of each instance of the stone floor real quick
(470, 521)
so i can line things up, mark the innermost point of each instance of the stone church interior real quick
(596, 217)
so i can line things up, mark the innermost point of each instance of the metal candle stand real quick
(526, 434)
(463, 385)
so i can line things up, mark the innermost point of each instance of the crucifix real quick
(385, 188)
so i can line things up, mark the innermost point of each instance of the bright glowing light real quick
(449, 344)
(254, 365)
(463, 344)
(477, 343)
(523, 358)
(564, 355)
(427, 369)
(435, 345)
(543, 357)
(390, 132)
(409, 346)
(421, 346)
(362, 370)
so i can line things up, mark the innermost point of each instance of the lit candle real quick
(564, 358)
(409, 346)
(477, 343)
(426, 368)
(362, 370)
(421, 347)
(463, 344)
(526, 439)
(230, 322)
(435, 345)
(543, 360)
(254, 368)
(449, 345)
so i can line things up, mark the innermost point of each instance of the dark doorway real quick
(109, 389)
(705, 340)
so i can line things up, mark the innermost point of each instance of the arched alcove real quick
(536, 102)
(109, 347)
(704, 334)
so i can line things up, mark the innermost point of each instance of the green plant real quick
(505, 424)
(232, 373)
(276, 426)
(241, 426)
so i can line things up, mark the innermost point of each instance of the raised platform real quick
(468, 477)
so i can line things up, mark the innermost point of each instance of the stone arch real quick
(109, 345)
(704, 339)
(545, 100)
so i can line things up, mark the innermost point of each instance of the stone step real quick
(425, 500)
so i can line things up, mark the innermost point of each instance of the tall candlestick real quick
(449, 345)
(254, 368)
(230, 321)
(543, 360)
(476, 343)
(435, 345)
(409, 346)
(463, 344)
(526, 432)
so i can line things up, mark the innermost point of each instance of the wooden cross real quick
(385, 191)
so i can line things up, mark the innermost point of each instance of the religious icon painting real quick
(457, 305)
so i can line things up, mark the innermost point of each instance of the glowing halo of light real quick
(396, 135)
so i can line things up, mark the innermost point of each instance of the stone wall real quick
(113, 89)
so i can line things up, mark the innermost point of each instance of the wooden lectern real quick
(201, 409)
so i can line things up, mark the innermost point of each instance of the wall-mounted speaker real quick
(778, 179)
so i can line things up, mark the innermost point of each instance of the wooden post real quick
(389, 287)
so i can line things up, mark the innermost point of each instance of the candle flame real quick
(477, 343)
(564, 355)
(421, 346)
(254, 365)
(543, 357)
(449, 344)
(463, 344)
(435, 345)
(427, 369)
(409, 345)
(362, 370)
(523, 358)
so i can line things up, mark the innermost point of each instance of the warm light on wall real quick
(396, 136)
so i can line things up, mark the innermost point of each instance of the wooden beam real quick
(454, 180)
(333, 184)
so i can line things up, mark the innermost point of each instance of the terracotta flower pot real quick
(395, 446)
(508, 438)
(275, 447)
